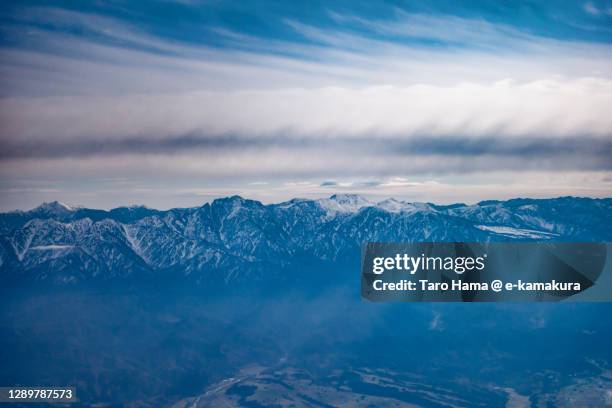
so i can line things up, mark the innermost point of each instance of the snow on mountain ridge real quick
(54, 207)
(517, 232)
(344, 203)
(235, 237)
(395, 206)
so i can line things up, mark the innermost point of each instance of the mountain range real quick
(233, 238)
(137, 307)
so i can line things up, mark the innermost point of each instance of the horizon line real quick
(370, 203)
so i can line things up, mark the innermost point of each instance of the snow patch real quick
(516, 232)
(50, 247)
(134, 243)
(21, 253)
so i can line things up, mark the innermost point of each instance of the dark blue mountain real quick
(188, 308)
(234, 238)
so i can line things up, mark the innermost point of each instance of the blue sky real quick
(172, 103)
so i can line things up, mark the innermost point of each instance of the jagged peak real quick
(392, 200)
(486, 203)
(138, 207)
(344, 203)
(230, 199)
(348, 198)
(397, 206)
(391, 205)
(235, 201)
(292, 202)
(53, 207)
(134, 208)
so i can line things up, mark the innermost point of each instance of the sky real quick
(175, 103)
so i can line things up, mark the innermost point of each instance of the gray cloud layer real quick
(581, 152)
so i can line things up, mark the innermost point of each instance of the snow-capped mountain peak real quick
(344, 203)
(395, 206)
(53, 208)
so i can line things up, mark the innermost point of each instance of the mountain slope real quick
(234, 238)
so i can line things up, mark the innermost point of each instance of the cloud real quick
(551, 125)
(549, 107)
(319, 155)
(354, 184)
(357, 104)
(446, 30)
(592, 9)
